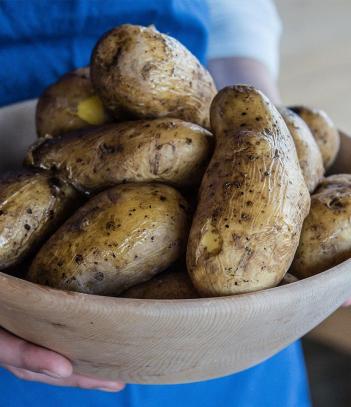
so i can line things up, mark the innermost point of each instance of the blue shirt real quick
(41, 40)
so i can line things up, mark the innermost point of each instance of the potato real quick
(323, 130)
(334, 181)
(19, 269)
(166, 150)
(70, 104)
(121, 237)
(288, 279)
(252, 200)
(308, 152)
(326, 233)
(151, 75)
(168, 285)
(31, 205)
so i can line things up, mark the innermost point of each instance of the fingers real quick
(21, 354)
(30, 362)
(347, 303)
(74, 380)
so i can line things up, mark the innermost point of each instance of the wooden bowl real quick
(173, 341)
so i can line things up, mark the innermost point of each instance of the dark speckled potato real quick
(169, 285)
(165, 150)
(121, 237)
(31, 206)
(151, 75)
(323, 130)
(252, 200)
(69, 104)
(326, 233)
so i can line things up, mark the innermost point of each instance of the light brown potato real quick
(121, 237)
(252, 200)
(326, 234)
(165, 150)
(70, 104)
(169, 285)
(151, 75)
(323, 130)
(308, 152)
(31, 205)
(334, 181)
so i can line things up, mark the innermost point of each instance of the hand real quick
(31, 362)
(347, 303)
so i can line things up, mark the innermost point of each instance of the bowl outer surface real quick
(174, 341)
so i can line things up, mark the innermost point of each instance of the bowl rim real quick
(287, 292)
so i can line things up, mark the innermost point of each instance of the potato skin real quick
(323, 130)
(121, 237)
(334, 181)
(326, 234)
(57, 108)
(31, 206)
(288, 279)
(252, 200)
(151, 75)
(308, 153)
(169, 285)
(164, 150)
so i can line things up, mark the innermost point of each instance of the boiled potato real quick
(334, 181)
(252, 200)
(326, 233)
(323, 130)
(288, 279)
(308, 152)
(151, 75)
(166, 150)
(31, 205)
(69, 104)
(168, 285)
(121, 237)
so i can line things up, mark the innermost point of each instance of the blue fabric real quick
(40, 40)
(278, 382)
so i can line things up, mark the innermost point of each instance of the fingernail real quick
(113, 388)
(107, 389)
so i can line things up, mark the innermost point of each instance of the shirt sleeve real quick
(245, 28)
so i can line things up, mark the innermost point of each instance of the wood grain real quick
(17, 132)
(172, 341)
(315, 70)
(169, 341)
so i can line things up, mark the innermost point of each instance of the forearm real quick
(239, 70)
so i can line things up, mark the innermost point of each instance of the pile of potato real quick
(147, 183)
